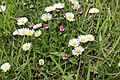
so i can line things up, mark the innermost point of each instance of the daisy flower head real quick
(74, 2)
(29, 32)
(70, 16)
(93, 10)
(2, 8)
(46, 17)
(5, 67)
(119, 64)
(90, 37)
(83, 38)
(22, 31)
(22, 21)
(49, 8)
(37, 26)
(38, 33)
(16, 32)
(26, 46)
(76, 6)
(78, 50)
(59, 5)
(73, 42)
(41, 62)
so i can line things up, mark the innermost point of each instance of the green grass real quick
(99, 61)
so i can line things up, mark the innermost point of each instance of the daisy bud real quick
(31, 24)
(45, 26)
(57, 9)
(64, 56)
(41, 62)
(64, 15)
(80, 10)
(61, 28)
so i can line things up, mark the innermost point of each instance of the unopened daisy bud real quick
(45, 26)
(41, 62)
(61, 28)
(57, 9)
(5, 67)
(31, 24)
(80, 10)
(64, 56)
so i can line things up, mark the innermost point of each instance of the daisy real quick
(73, 42)
(22, 21)
(45, 26)
(2, 8)
(74, 2)
(22, 31)
(70, 16)
(90, 37)
(93, 10)
(78, 50)
(38, 33)
(29, 32)
(76, 6)
(83, 38)
(41, 62)
(5, 67)
(37, 26)
(59, 5)
(119, 64)
(26, 46)
(46, 17)
(16, 32)
(49, 8)
(61, 28)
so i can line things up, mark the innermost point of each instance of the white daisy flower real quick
(37, 26)
(38, 33)
(49, 8)
(26, 46)
(22, 31)
(22, 21)
(2, 8)
(73, 42)
(29, 32)
(59, 5)
(5, 67)
(119, 64)
(70, 16)
(46, 17)
(93, 10)
(41, 62)
(82, 38)
(74, 2)
(90, 37)
(76, 6)
(78, 50)
(16, 32)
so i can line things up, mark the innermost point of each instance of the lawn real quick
(52, 54)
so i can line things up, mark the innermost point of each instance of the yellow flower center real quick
(51, 9)
(89, 39)
(77, 51)
(73, 2)
(82, 39)
(23, 33)
(59, 6)
(6, 68)
(22, 21)
(69, 17)
(26, 47)
(46, 18)
(94, 11)
(29, 33)
(74, 43)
